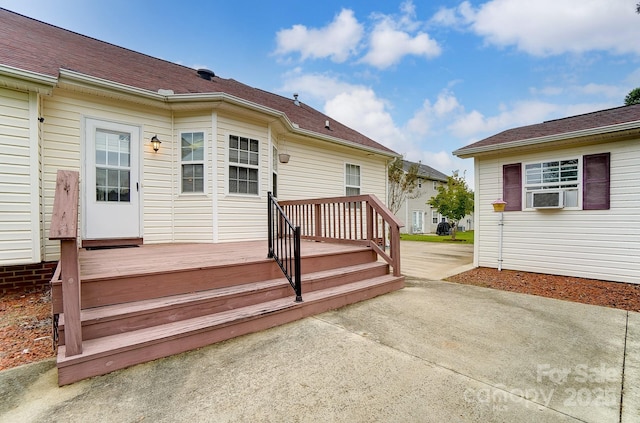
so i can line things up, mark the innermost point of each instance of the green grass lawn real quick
(465, 237)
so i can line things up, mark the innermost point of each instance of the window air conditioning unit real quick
(547, 199)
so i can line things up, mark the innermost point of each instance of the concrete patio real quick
(432, 352)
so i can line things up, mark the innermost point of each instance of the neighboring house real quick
(68, 101)
(415, 212)
(419, 216)
(572, 188)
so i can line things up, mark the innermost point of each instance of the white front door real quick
(111, 181)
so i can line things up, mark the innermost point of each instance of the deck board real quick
(161, 258)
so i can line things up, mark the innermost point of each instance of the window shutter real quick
(595, 178)
(512, 186)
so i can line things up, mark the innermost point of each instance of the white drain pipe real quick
(501, 227)
(498, 206)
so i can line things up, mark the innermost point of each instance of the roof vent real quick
(326, 125)
(295, 99)
(205, 74)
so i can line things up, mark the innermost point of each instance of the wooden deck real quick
(152, 301)
(151, 259)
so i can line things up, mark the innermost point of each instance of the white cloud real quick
(551, 27)
(319, 86)
(614, 92)
(393, 38)
(429, 115)
(361, 109)
(354, 105)
(338, 40)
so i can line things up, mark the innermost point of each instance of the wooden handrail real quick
(358, 219)
(64, 227)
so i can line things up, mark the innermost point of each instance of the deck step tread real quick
(139, 338)
(115, 311)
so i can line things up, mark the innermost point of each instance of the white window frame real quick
(346, 179)
(435, 185)
(435, 216)
(563, 186)
(202, 162)
(230, 163)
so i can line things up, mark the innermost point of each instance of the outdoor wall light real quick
(155, 143)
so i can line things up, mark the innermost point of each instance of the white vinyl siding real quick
(241, 217)
(597, 244)
(19, 175)
(316, 171)
(62, 149)
(193, 213)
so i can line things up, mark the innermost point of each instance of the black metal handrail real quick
(284, 245)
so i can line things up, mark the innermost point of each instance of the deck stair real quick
(138, 316)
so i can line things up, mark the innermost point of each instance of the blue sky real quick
(422, 77)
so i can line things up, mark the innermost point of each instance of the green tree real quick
(633, 97)
(402, 184)
(454, 200)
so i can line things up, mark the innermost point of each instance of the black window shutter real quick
(512, 186)
(596, 181)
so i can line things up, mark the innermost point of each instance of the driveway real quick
(432, 352)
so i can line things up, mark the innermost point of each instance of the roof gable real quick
(31, 45)
(602, 121)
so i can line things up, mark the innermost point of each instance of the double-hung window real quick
(244, 159)
(558, 175)
(192, 161)
(582, 181)
(352, 179)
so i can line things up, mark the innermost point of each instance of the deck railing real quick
(284, 245)
(361, 219)
(64, 227)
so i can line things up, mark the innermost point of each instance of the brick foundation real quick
(26, 277)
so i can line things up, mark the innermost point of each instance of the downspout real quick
(501, 227)
(174, 179)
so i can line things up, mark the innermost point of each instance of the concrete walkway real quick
(432, 352)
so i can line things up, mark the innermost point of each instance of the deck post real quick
(64, 227)
(270, 225)
(71, 297)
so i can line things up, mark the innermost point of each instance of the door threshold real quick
(111, 243)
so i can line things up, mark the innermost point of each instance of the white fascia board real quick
(21, 79)
(92, 81)
(591, 132)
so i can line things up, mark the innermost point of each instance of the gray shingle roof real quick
(425, 171)
(31, 45)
